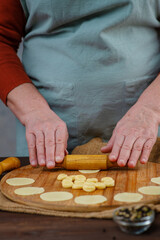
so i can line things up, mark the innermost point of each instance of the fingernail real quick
(33, 163)
(121, 162)
(66, 151)
(42, 161)
(103, 148)
(131, 164)
(59, 159)
(50, 164)
(112, 157)
(143, 160)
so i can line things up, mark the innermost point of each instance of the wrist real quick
(149, 99)
(25, 100)
(149, 110)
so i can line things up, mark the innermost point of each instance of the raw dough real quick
(25, 191)
(90, 199)
(89, 187)
(56, 196)
(77, 185)
(150, 190)
(100, 185)
(80, 177)
(104, 179)
(19, 181)
(67, 183)
(128, 197)
(109, 182)
(94, 180)
(71, 177)
(61, 176)
(89, 171)
(79, 182)
(156, 180)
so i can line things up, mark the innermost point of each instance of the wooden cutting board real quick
(126, 180)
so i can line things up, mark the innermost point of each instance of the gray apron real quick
(91, 60)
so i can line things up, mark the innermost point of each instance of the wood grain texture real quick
(126, 180)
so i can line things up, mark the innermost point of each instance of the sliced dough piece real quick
(150, 190)
(90, 199)
(128, 197)
(80, 177)
(77, 185)
(156, 180)
(61, 176)
(89, 187)
(71, 178)
(88, 171)
(104, 179)
(109, 182)
(67, 183)
(26, 191)
(18, 181)
(94, 180)
(100, 185)
(79, 182)
(56, 196)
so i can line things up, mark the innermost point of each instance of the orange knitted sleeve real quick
(12, 25)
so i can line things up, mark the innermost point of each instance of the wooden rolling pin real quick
(87, 162)
(9, 164)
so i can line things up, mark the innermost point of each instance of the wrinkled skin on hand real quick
(47, 137)
(133, 137)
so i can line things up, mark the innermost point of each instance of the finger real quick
(125, 150)
(116, 147)
(60, 144)
(109, 145)
(31, 141)
(40, 148)
(136, 152)
(50, 148)
(147, 147)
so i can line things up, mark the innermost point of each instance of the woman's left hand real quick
(133, 137)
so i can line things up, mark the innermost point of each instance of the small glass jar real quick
(134, 226)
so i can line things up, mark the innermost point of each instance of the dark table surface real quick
(15, 226)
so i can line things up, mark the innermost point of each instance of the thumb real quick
(109, 145)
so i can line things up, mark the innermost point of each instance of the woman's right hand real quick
(46, 133)
(46, 136)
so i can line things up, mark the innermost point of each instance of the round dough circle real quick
(88, 171)
(128, 197)
(56, 196)
(90, 199)
(156, 180)
(26, 191)
(150, 190)
(19, 181)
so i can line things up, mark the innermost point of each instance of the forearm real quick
(150, 98)
(25, 99)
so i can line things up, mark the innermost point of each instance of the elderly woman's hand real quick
(133, 136)
(46, 133)
(46, 136)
